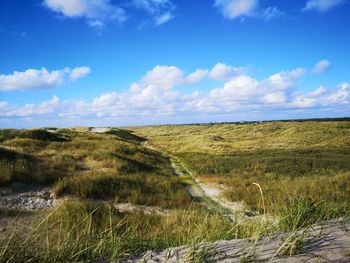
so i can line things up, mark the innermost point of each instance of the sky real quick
(144, 62)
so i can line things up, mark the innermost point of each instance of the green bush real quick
(8, 134)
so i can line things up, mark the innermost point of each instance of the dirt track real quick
(210, 194)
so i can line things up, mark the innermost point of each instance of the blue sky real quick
(137, 62)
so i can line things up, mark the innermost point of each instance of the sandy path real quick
(209, 194)
(328, 242)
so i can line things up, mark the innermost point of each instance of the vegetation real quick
(88, 165)
(82, 231)
(288, 159)
(302, 168)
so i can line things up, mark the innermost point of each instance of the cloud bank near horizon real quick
(159, 95)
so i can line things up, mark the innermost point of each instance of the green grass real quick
(141, 188)
(81, 231)
(301, 167)
(14, 166)
(307, 159)
(86, 165)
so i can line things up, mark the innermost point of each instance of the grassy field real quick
(302, 167)
(88, 165)
(308, 160)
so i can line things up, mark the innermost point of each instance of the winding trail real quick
(209, 195)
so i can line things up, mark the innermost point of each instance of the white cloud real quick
(162, 19)
(39, 78)
(67, 7)
(323, 97)
(197, 76)
(322, 5)
(155, 96)
(285, 79)
(222, 71)
(275, 98)
(232, 9)
(98, 13)
(31, 110)
(238, 89)
(3, 104)
(246, 90)
(78, 73)
(162, 77)
(160, 10)
(344, 86)
(31, 79)
(318, 92)
(321, 66)
(167, 77)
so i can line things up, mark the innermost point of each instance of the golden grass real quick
(245, 137)
(302, 170)
(309, 159)
(87, 165)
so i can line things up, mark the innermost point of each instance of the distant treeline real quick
(256, 122)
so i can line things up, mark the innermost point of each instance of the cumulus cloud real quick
(244, 89)
(321, 66)
(98, 13)
(155, 96)
(3, 104)
(161, 77)
(317, 92)
(197, 76)
(78, 73)
(233, 9)
(31, 110)
(275, 98)
(322, 5)
(160, 10)
(40, 78)
(323, 97)
(239, 88)
(285, 79)
(221, 71)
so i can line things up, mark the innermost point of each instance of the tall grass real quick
(86, 165)
(81, 231)
(14, 165)
(302, 170)
(305, 159)
(142, 188)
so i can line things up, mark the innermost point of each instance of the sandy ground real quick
(27, 198)
(329, 242)
(99, 129)
(147, 210)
